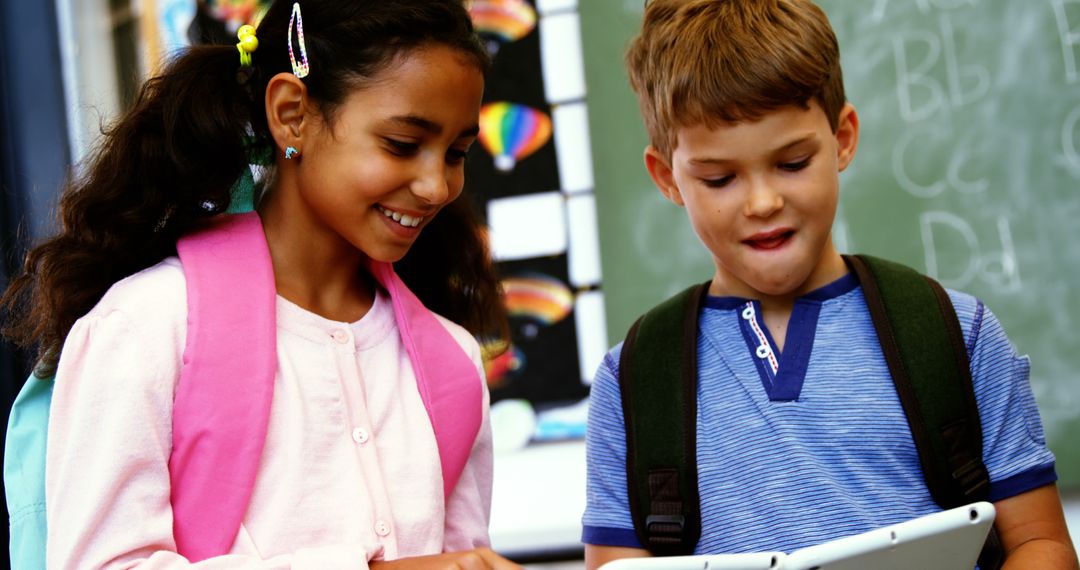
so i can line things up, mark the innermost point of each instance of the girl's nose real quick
(431, 185)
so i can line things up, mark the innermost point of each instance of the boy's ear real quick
(659, 168)
(286, 104)
(847, 135)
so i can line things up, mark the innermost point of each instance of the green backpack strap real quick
(657, 392)
(924, 348)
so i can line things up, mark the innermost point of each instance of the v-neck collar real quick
(782, 373)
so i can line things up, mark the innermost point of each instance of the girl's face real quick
(393, 154)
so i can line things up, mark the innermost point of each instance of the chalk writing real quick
(998, 269)
(923, 5)
(956, 72)
(1069, 38)
(910, 78)
(1068, 139)
(900, 170)
(917, 77)
(928, 139)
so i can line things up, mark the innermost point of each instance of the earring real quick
(290, 152)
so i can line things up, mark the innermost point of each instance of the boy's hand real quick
(476, 559)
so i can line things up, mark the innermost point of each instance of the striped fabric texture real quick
(818, 447)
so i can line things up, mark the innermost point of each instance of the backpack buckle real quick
(665, 529)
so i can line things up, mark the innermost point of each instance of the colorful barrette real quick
(248, 43)
(299, 68)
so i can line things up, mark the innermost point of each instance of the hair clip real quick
(299, 68)
(248, 43)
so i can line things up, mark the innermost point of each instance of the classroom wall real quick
(967, 169)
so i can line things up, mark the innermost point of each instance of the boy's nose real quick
(763, 201)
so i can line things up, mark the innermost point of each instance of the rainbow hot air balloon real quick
(502, 21)
(510, 132)
(501, 362)
(537, 297)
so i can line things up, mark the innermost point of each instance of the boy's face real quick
(762, 196)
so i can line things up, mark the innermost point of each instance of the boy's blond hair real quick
(711, 61)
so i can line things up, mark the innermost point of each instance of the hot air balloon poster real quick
(541, 365)
(516, 153)
(511, 132)
(502, 21)
(515, 162)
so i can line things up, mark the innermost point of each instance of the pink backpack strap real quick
(448, 380)
(222, 404)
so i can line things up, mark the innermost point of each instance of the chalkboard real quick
(968, 169)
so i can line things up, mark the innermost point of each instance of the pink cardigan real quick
(350, 471)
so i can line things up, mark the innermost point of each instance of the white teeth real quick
(403, 219)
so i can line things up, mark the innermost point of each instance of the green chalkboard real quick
(968, 168)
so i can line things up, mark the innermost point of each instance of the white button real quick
(763, 351)
(748, 313)
(360, 435)
(340, 336)
(382, 528)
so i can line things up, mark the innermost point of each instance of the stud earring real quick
(290, 152)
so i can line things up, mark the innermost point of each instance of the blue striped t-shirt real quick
(811, 444)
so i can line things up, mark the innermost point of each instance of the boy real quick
(801, 437)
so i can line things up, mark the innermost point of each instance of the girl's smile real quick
(380, 166)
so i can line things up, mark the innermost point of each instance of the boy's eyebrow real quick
(431, 126)
(801, 140)
(809, 137)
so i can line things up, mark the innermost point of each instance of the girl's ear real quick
(286, 105)
(659, 169)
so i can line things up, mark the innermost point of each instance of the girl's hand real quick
(476, 559)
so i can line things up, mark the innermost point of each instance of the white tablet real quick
(755, 561)
(949, 540)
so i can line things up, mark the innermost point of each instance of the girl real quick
(368, 108)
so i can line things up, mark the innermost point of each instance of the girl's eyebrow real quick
(430, 126)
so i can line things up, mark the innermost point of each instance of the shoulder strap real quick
(659, 400)
(24, 472)
(222, 405)
(924, 348)
(449, 381)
